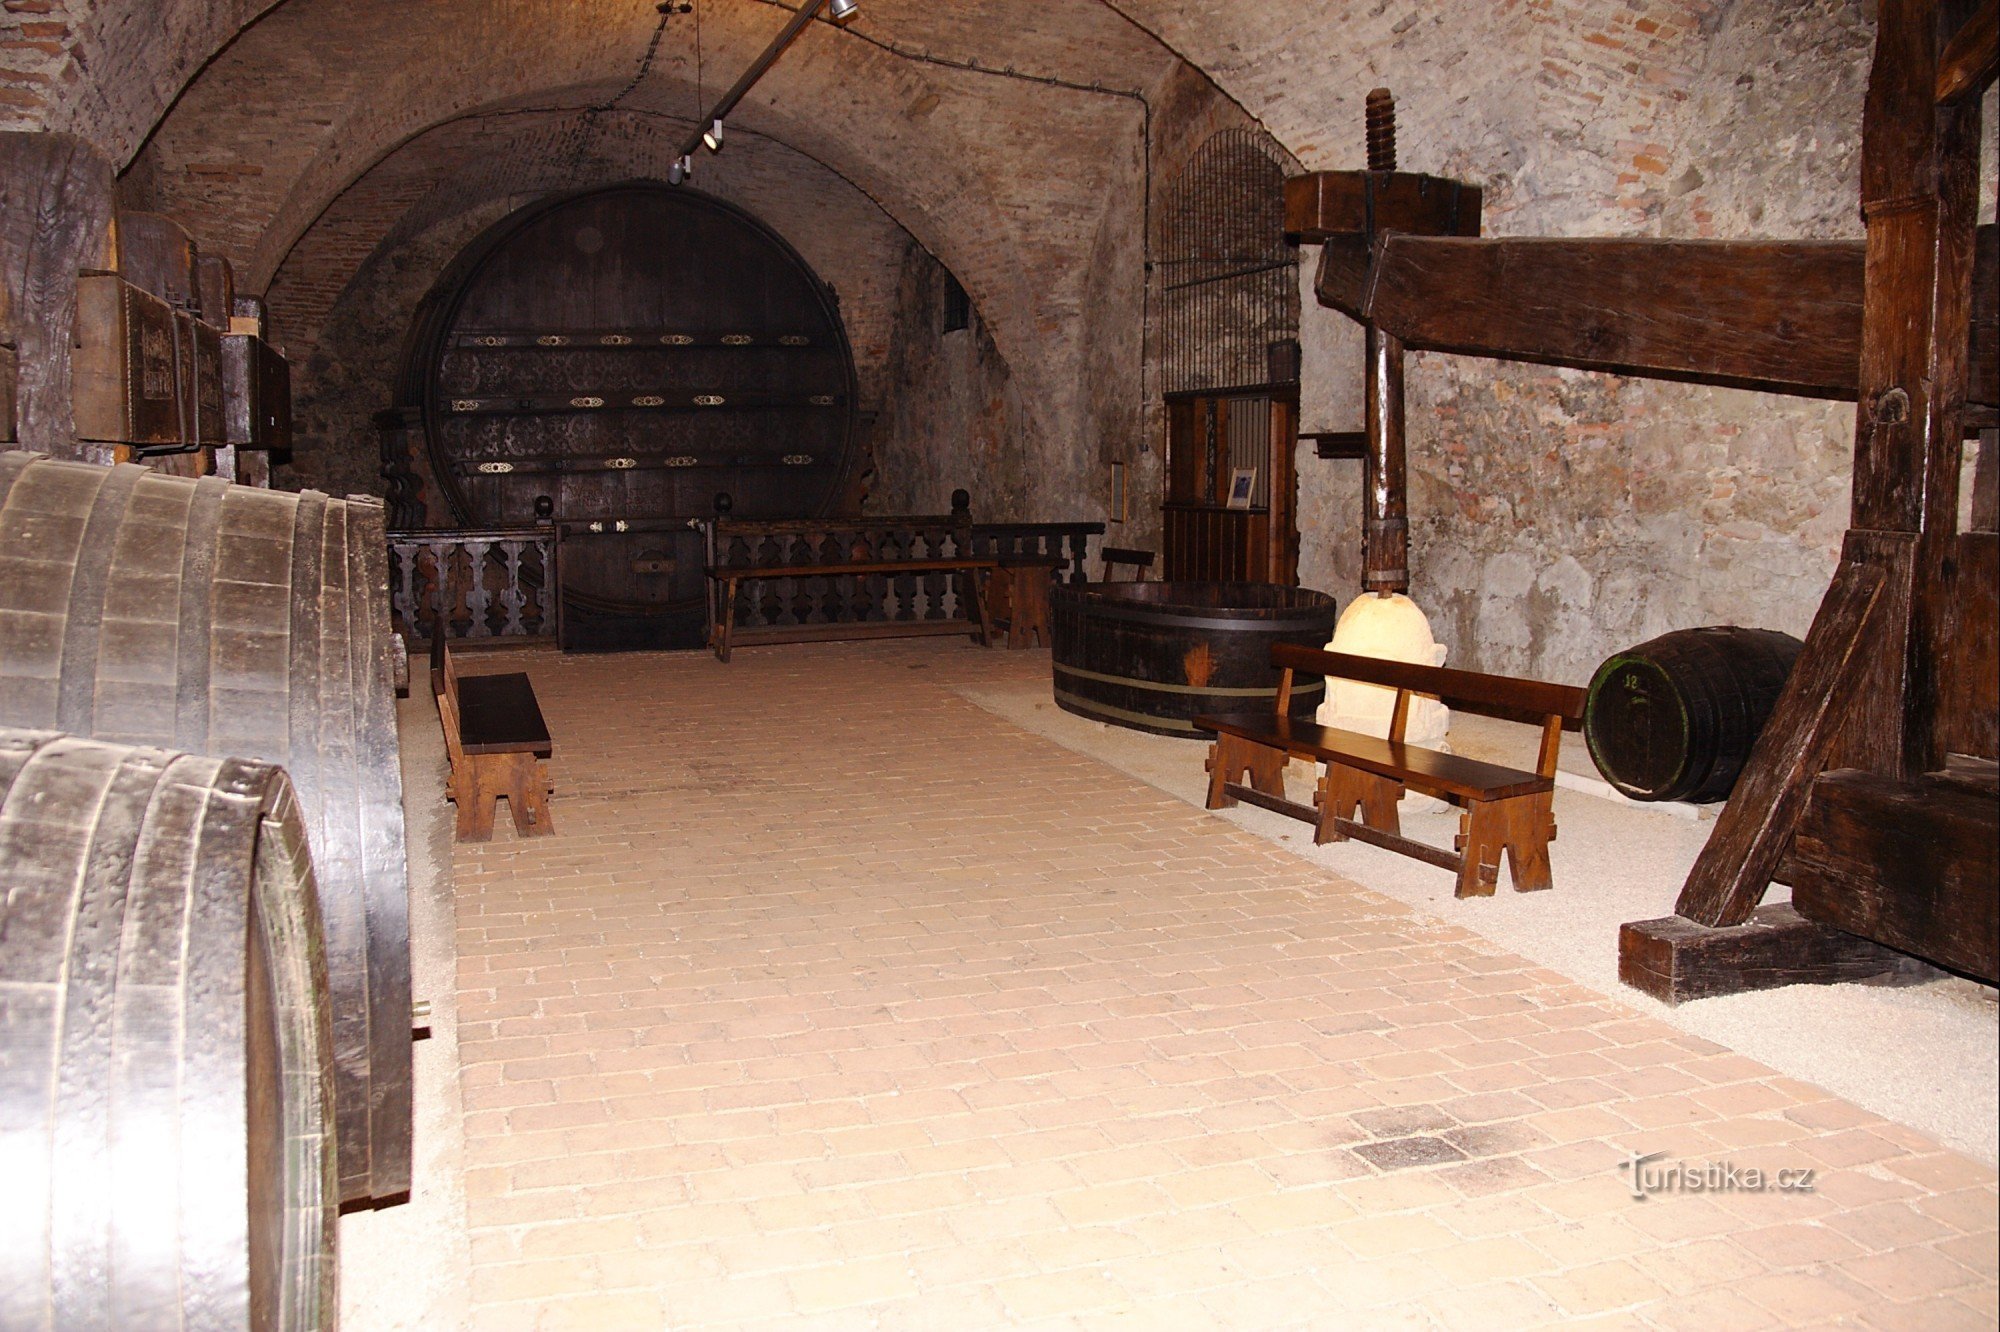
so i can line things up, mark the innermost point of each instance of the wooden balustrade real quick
(496, 583)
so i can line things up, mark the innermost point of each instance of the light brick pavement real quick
(839, 1002)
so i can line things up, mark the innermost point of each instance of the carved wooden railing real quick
(1066, 541)
(842, 599)
(884, 598)
(498, 583)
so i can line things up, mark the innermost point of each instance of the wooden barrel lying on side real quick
(226, 620)
(1154, 656)
(1675, 717)
(166, 1059)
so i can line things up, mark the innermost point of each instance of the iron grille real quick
(1229, 281)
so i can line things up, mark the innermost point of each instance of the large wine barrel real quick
(628, 353)
(1154, 656)
(225, 620)
(165, 1045)
(1675, 717)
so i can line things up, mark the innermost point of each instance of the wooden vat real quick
(1153, 656)
(165, 1055)
(226, 620)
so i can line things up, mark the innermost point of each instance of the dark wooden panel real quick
(1914, 865)
(1971, 715)
(257, 394)
(1501, 694)
(1982, 383)
(1761, 314)
(1322, 205)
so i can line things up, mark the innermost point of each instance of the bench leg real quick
(1231, 756)
(1481, 837)
(1343, 789)
(528, 796)
(1531, 825)
(476, 788)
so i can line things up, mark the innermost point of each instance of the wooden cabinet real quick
(1233, 440)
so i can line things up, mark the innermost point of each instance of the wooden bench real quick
(878, 577)
(499, 746)
(1501, 808)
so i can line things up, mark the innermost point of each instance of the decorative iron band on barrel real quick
(166, 1057)
(225, 620)
(1154, 656)
(1675, 717)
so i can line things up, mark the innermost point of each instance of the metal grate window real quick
(1230, 284)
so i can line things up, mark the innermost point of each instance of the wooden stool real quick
(1023, 597)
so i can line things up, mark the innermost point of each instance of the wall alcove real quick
(628, 353)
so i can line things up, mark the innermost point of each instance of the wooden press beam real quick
(1778, 315)
(1971, 57)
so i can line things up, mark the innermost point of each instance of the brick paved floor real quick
(840, 1003)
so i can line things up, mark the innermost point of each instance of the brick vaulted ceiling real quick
(252, 119)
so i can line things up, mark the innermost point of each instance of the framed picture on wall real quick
(1242, 484)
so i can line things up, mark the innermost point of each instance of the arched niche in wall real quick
(624, 354)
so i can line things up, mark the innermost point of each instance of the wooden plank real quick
(1778, 315)
(57, 199)
(499, 714)
(1323, 205)
(1675, 960)
(1914, 865)
(1470, 689)
(1971, 718)
(1735, 866)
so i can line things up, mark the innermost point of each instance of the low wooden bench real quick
(1501, 808)
(498, 744)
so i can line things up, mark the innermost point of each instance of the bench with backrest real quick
(498, 745)
(1501, 808)
(884, 577)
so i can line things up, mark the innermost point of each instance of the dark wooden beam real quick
(1385, 528)
(1778, 315)
(1322, 205)
(1734, 868)
(1675, 960)
(1908, 864)
(1971, 57)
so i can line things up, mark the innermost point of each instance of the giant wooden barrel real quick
(226, 620)
(1675, 717)
(1154, 656)
(628, 353)
(165, 1046)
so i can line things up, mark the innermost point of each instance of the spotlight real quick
(842, 10)
(680, 171)
(712, 139)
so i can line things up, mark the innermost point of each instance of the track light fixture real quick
(837, 11)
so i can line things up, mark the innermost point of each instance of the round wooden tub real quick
(1154, 656)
